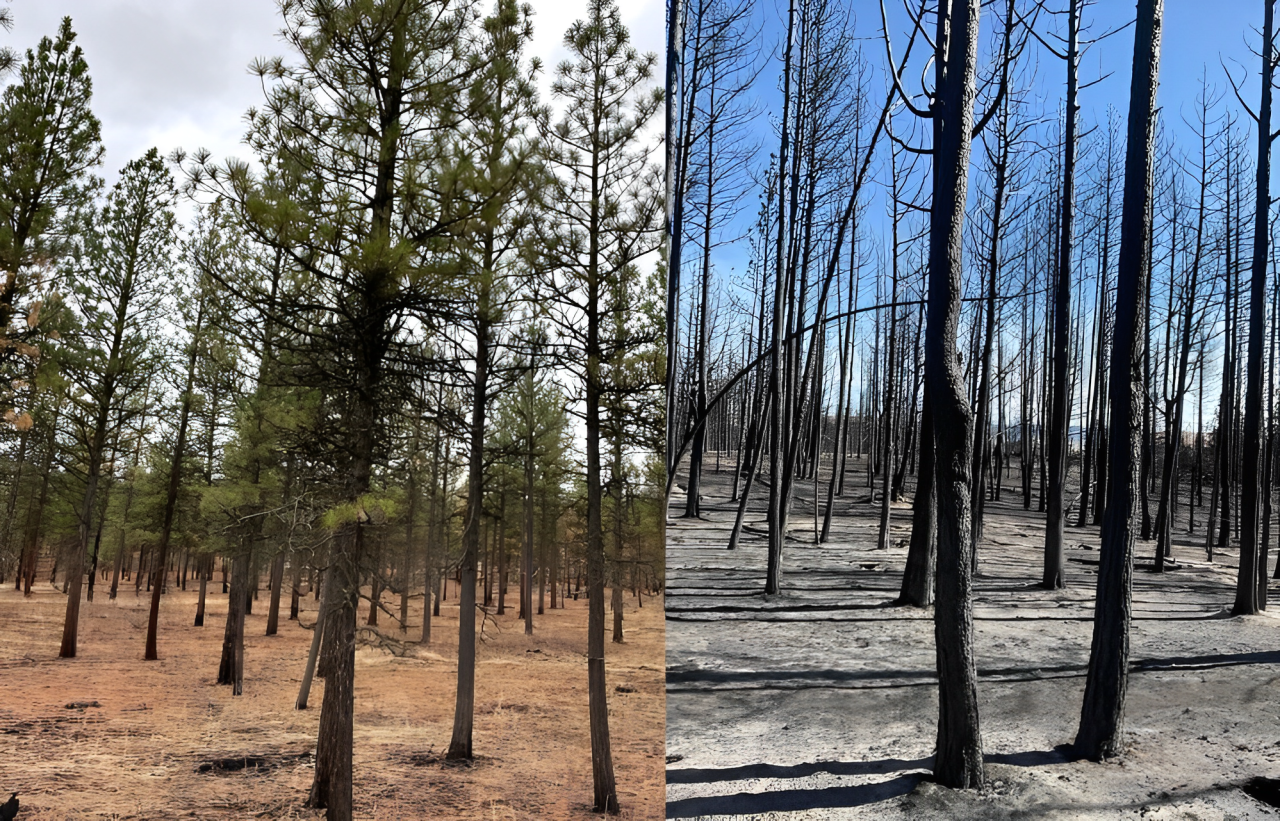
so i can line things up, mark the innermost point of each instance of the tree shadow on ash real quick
(1206, 661)
(744, 803)
(1061, 754)
(909, 774)
(686, 679)
(712, 775)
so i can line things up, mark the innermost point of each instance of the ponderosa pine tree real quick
(500, 170)
(958, 755)
(49, 143)
(199, 303)
(604, 198)
(1190, 331)
(1060, 388)
(356, 189)
(119, 281)
(675, 141)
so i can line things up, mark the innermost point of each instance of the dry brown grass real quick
(138, 755)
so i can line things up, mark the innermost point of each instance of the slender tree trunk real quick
(1251, 570)
(277, 582)
(171, 494)
(1054, 556)
(75, 564)
(526, 558)
(464, 707)
(917, 580)
(304, 690)
(777, 512)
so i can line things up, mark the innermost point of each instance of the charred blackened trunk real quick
(1251, 570)
(958, 755)
(1101, 714)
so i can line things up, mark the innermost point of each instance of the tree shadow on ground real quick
(761, 679)
(744, 803)
(844, 797)
(1207, 661)
(1061, 754)
(694, 775)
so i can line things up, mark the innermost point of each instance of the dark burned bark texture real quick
(958, 756)
(777, 505)
(1102, 713)
(1060, 389)
(1247, 597)
(917, 580)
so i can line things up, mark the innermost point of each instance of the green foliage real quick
(605, 193)
(49, 141)
(119, 280)
(8, 58)
(530, 419)
(370, 508)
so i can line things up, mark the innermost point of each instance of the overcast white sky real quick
(170, 73)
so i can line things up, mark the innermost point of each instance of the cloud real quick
(175, 73)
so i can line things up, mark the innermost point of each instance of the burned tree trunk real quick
(1099, 734)
(1247, 600)
(1059, 393)
(958, 755)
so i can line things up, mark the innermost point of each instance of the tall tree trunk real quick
(75, 563)
(1251, 466)
(1173, 435)
(1099, 734)
(777, 511)
(1059, 393)
(464, 706)
(982, 422)
(526, 557)
(702, 354)
(676, 147)
(958, 754)
(171, 493)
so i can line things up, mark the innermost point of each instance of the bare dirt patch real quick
(821, 703)
(109, 736)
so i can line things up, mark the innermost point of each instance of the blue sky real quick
(1198, 38)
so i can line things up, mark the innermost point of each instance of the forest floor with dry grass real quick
(821, 703)
(109, 736)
